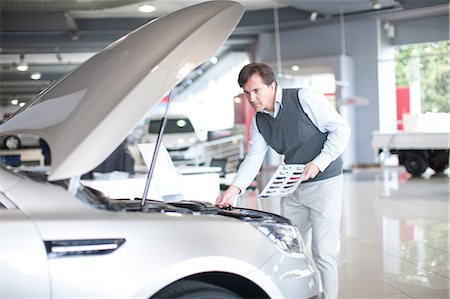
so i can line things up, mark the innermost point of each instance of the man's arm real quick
(248, 169)
(325, 117)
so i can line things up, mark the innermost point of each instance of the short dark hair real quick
(262, 69)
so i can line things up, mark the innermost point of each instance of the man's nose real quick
(252, 97)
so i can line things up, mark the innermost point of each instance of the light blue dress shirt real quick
(323, 115)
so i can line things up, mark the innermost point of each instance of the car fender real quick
(210, 264)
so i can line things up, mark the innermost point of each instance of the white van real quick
(180, 138)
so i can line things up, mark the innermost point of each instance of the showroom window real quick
(422, 74)
(323, 82)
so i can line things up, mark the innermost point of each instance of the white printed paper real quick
(165, 176)
(284, 181)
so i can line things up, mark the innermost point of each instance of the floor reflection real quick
(394, 233)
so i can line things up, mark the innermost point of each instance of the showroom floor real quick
(394, 234)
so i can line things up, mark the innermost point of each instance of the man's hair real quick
(261, 69)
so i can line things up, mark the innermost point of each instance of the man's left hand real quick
(310, 171)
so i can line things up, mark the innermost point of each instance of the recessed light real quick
(14, 102)
(36, 76)
(214, 60)
(146, 8)
(295, 68)
(376, 4)
(22, 67)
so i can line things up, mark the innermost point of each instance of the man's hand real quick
(310, 171)
(226, 198)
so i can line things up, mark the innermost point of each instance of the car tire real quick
(191, 289)
(415, 163)
(12, 142)
(439, 161)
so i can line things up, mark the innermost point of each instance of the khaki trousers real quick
(316, 208)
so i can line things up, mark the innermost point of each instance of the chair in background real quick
(220, 162)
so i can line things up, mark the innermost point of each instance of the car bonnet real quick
(88, 113)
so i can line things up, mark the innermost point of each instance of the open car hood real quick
(87, 114)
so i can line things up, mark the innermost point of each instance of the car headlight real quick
(285, 236)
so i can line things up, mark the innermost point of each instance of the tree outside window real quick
(426, 66)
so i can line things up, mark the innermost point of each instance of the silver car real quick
(60, 239)
(18, 141)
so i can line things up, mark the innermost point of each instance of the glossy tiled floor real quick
(394, 234)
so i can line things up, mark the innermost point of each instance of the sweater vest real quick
(294, 135)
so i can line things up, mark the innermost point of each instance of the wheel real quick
(191, 289)
(415, 163)
(439, 161)
(12, 142)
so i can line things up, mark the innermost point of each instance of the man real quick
(301, 125)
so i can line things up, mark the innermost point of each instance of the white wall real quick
(362, 36)
(324, 41)
(209, 101)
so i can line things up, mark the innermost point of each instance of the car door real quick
(23, 258)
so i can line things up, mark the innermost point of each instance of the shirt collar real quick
(278, 102)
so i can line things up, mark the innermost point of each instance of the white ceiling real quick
(55, 36)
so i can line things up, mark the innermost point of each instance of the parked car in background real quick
(180, 137)
(18, 141)
(60, 238)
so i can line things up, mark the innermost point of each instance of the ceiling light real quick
(181, 123)
(22, 104)
(295, 68)
(376, 4)
(214, 60)
(14, 102)
(313, 16)
(146, 8)
(36, 76)
(22, 66)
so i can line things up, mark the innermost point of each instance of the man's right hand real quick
(226, 198)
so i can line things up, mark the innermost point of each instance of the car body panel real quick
(102, 100)
(75, 242)
(180, 246)
(23, 257)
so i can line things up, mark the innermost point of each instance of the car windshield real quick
(173, 125)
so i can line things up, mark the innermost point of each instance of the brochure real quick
(284, 181)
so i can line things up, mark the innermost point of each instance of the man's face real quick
(260, 95)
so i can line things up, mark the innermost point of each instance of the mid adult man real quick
(304, 127)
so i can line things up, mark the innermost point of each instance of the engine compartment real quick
(99, 200)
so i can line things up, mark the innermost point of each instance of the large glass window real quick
(422, 77)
